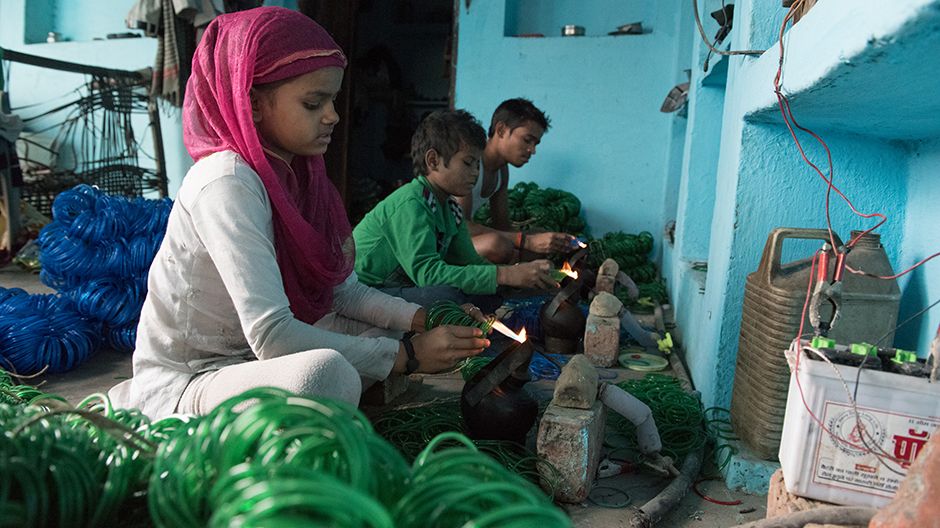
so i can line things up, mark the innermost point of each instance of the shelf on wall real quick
(859, 66)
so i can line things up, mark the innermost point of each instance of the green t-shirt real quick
(411, 239)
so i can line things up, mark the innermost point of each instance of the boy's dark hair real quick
(445, 131)
(515, 112)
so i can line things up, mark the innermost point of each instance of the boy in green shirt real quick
(415, 244)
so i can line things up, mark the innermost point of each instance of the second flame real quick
(503, 329)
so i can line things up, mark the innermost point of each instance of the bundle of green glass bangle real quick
(451, 313)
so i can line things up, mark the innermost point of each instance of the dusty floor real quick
(107, 368)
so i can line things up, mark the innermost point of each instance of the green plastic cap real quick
(904, 356)
(822, 342)
(864, 349)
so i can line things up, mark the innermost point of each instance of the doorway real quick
(401, 66)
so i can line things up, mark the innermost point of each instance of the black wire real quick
(909, 319)
(858, 375)
(882, 338)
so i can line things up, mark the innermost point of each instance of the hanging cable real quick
(713, 49)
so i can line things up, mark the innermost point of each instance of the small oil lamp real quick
(562, 321)
(494, 404)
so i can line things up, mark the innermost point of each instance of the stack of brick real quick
(602, 330)
(571, 432)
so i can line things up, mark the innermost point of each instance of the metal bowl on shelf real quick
(571, 30)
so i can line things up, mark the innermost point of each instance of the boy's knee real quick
(444, 293)
(494, 248)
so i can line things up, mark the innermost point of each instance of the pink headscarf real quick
(260, 46)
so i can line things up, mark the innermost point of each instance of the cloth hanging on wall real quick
(177, 24)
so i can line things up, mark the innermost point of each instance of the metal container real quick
(571, 30)
(773, 302)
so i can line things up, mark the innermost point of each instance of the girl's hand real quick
(419, 320)
(442, 348)
(474, 312)
(545, 243)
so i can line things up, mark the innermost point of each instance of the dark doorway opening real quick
(402, 57)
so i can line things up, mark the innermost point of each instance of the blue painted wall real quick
(854, 74)
(608, 142)
(922, 286)
(597, 17)
(80, 20)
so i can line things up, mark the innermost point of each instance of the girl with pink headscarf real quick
(253, 284)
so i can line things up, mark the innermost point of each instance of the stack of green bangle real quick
(459, 486)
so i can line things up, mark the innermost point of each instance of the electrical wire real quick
(711, 48)
(790, 121)
(711, 500)
(795, 353)
(895, 276)
(796, 350)
(908, 320)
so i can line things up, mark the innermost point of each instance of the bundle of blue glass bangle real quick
(96, 253)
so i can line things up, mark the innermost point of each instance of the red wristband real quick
(519, 239)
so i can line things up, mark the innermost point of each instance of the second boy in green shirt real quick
(415, 243)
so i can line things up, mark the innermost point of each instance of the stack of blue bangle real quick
(43, 331)
(96, 253)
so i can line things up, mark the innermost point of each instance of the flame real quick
(503, 329)
(566, 269)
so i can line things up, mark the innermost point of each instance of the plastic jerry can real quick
(774, 296)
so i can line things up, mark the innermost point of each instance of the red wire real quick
(888, 277)
(787, 113)
(788, 117)
(709, 499)
(799, 385)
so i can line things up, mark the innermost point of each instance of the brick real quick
(576, 387)
(605, 284)
(781, 502)
(608, 268)
(571, 440)
(602, 340)
(606, 305)
(606, 276)
(915, 504)
(384, 392)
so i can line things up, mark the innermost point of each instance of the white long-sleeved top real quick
(215, 295)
